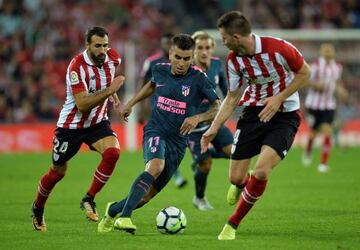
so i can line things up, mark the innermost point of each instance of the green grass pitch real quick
(301, 209)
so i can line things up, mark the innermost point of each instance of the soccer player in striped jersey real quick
(320, 102)
(273, 70)
(145, 109)
(221, 145)
(90, 85)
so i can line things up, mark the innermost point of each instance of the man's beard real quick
(99, 60)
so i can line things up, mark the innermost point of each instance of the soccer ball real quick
(171, 220)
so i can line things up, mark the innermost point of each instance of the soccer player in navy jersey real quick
(149, 63)
(179, 89)
(221, 145)
(90, 85)
(274, 70)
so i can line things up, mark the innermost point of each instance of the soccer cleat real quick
(38, 219)
(125, 224)
(233, 194)
(227, 233)
(180, 182)
(322, 168)
(88, 204)
(202, 204)
(106, 224)
(306, 159)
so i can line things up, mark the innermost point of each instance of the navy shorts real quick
(251, 134)
(169, 148)
(67, 142)
(223, 138)
(317, 117)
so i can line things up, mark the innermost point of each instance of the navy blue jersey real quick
(149, 64)
(217, 77)
(178, 97)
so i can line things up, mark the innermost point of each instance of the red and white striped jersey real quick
(269, 71)
(83, 75)
(326, 74)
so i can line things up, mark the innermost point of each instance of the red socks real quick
(104, 170)
(251, 193)
(46, 184)
(325, 150)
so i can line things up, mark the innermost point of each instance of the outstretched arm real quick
(191, 122)
(226, 109)
(144, 92)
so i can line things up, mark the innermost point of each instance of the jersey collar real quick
(258, 46)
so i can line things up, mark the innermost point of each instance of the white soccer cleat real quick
(322, 168)
(306, 159)
(202, 204)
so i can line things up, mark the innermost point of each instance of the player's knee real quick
(205, 166)
(60, 170)
(262, 173)
(237, 180)
(111, 155)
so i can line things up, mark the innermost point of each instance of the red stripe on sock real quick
(46, 184)
(252, 192)
(325, 150)
(104, 170)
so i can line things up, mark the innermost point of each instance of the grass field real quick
(301, 209)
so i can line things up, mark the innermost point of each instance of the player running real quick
(204, 48)
(179, 89)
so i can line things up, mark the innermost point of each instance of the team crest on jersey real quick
(185, 90)
(74, 78)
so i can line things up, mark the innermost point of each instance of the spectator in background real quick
(320, 103)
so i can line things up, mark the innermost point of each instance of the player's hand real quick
(125, 112)
(206, 138)
(272, 105)
(189, 124)
(114, 99)
(116, 84)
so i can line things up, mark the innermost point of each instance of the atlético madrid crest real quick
(185, 90)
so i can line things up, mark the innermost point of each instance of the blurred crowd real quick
(39, 37)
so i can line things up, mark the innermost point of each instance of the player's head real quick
(166, 43)
(97, 43)
(235, 31)
(181, 53)
(327, 50)
(204, 47)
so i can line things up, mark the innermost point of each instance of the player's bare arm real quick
(273, 103)
(341, 92)
(85, 101)
(191, 122)
(147, 90)
(226, 109)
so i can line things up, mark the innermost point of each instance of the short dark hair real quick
(95, 30)
(234, 22)
(183, 41)
(167, 35)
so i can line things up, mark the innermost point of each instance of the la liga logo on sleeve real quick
(74, 78)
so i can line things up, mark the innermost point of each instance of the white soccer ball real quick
(171, 220)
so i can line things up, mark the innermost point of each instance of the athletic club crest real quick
(185, 90)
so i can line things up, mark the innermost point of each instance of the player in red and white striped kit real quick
(320, 102)
(273, 70)
(90, 85)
